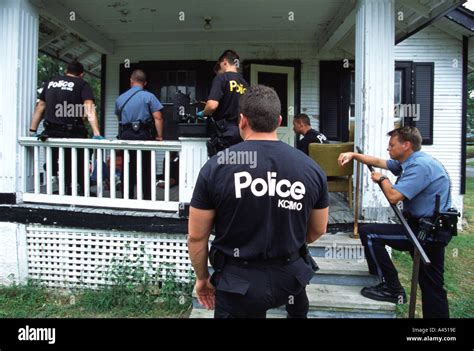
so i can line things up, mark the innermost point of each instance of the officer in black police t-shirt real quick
(264, 211)
(302, 126)
(223, 101)
(63, 103)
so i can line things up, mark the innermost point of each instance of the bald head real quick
(138, 77)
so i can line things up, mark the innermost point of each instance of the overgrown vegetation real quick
(131, 291)
(459, 267)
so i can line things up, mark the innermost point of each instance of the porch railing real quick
(42, 186)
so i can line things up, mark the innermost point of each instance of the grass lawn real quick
(470, 151)
(32, 301)
(459, 267)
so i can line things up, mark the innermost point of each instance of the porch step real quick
(337, 246)
(343, 272)
(327, 301)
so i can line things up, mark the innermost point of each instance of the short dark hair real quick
(262, 107)
(408, 133)
(303, 117)
(230, 56)
(75, 67)
(138, 76)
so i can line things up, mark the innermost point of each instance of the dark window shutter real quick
(334, 100)
(423, 95)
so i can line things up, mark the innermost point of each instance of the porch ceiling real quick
(99, 26)
(148, 21)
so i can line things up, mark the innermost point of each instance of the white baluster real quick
(74, 171)
(36, 168)
(49, 171)
(61, 171)
(153, 175)
(126, 170)
(99, 173)
(167, 176)
(87, 175)
(139, 175)
(112, 174)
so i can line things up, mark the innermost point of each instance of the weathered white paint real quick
(193, 157)
(65, 257)
(374, 91)
(433, 45)
(100, 147)
(13, 253)
(18, 62)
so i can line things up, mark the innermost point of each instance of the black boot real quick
(382, 292)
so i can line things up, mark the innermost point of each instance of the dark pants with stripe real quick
(374, 237)
(248, 292)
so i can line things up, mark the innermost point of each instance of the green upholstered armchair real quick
(339, 178)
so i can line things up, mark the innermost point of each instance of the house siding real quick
(445, 51)
(429, 45)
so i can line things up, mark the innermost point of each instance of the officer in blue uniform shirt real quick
(140, 118)
(264, 212)
(421, 179)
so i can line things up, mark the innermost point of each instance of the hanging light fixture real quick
(207, 24)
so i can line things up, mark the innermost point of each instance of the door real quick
(280, 78)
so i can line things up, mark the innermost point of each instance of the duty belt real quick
(263, 262)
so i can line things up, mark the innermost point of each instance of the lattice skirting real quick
(70, 257)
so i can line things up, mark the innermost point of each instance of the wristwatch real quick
(381, 179)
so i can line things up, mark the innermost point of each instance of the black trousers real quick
(74, 134)
(142, 134)
(248, 292)
(132, 172)
(374, 237)
(67, 168)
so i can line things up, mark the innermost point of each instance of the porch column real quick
(19, 26)
(374, 93)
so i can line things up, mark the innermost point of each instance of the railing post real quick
(193, 156)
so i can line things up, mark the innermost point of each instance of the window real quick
(398, 93)
(171, 81)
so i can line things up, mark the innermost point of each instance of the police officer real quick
(223, 102)
(139, 119)
(302, 126)
(263, 213)
(63, 103)
(421, 179)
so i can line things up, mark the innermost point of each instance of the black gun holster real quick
(304, 251)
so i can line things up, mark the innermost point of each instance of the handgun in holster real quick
(217, 259)
(304, 251)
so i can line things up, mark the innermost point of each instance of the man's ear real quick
(144, 84)
(279, 120)
(81, 75)
(243, 121)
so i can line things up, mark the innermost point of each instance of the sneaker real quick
(382, 292)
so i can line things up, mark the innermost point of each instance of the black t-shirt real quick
(262, 207)
(311, 136)
(64, 97)
(227, 88)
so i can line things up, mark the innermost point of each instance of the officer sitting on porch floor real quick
(263, 215)
(421, 179)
